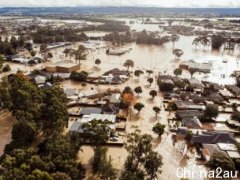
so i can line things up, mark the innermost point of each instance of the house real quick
(188, 113)
(233, 123)
(46, 85)
(229, 150)
(208, 150)
(70, 92)
(213, 138)
(21, 60)
(90, 110)
(40, 80)
(115, 98)
(165, 79)
(214, 97)
(185, 105)
(234, 89)
(182, 132)
(201, 67)
(116, 52)
(192, 123)
(76, 127)
(117, 71)
(89, 93)
(63, 67)
(196, 85)
(110, 108)
(226, 94)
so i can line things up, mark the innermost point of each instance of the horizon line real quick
(170, 7)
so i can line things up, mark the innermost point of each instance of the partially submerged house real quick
(201, 67)
(192, 123)
(234, 89)
(188, 113)
(213, 138)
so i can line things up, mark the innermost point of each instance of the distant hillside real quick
(119, 10)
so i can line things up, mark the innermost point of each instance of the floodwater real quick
(161, 60)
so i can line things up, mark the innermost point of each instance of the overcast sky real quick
(161, 3)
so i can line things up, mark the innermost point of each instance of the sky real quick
(144, 3)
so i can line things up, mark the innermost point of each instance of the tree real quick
(153, 93)
(128, 63)
(43, 47)
(165, 86)
(142, 162)
(158, 129)
(50, 55)
(219, 159)
(138, 73)
(234, 106)
(33, 53)
(210, 112)
(6, 68)
(97, 62)
(101, 165)
(149, 72)
(1, 61)
(81, 77)
(138, 90)
(177, 71)
(189, 136)
(156, 110)
(96, 132)
(217, 41)
(192, 71)
(174, 38)
(180, 84)
(150, 80)
(80, 53)
(178, 53)
(138, 107)
(204, 41)
(196, 42)
(29, 46)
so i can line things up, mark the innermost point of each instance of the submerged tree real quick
(158, 129)
(156, 110)
(153, 93)
(139, 107)
(178, 53)
(138, 73)
(101, 165)
(80, 53)
(129, 63)
(174, 38)
(142, 162)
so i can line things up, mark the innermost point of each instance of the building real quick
(234, 89)
(185, 105)
(188, 113)
(192, 123)
(201, 67)
(213, 138)
(63, 67)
